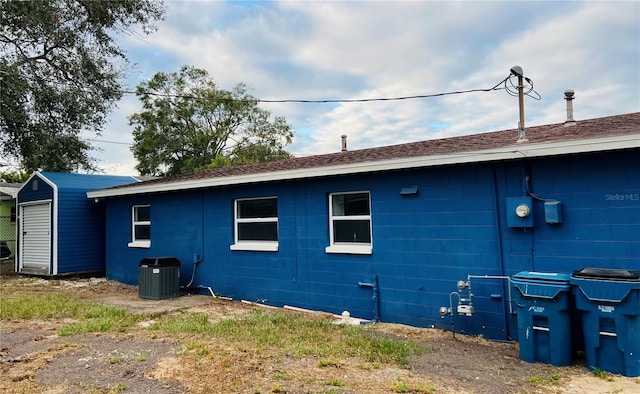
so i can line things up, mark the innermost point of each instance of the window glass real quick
(259, 208)
(142, 213)
(141, 223)
(350, 218)
(142, 232)
(356, 231)
(258, 231)
(257, 220)
(351, 204)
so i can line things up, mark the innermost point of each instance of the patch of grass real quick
(297, 336)
(425, 388)
(279, 375)
(184, 322)
(92, 317)
(278, 388)
(118, 388)
(376, 348)
(400, 386)
(329, 362)
(197, 347)
(141, 357)
(550, 380)
(100, 318)
(368, 366)
(294, 335)
(39, 306)
(597, 372)
(334, 382)
(115, 360)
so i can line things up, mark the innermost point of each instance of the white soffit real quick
(503, 153)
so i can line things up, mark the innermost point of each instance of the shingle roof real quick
(610, 126)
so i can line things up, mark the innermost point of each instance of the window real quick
(350, 223)
(140, 226)
(256, 224)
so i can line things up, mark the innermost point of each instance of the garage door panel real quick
(36, 237)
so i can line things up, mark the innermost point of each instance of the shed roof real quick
(80, 182)
(592, 135)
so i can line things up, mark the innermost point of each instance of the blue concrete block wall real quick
(422, 245)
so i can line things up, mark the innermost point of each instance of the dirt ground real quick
(34, 359)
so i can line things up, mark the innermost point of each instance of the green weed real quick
(334, 382)
(329, 362)
(597, 372)
(278, 375)
(550, 380)
(400, 386)
(118, 388)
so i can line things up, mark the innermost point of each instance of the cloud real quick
(347, 50)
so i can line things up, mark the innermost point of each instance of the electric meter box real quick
(519, 211)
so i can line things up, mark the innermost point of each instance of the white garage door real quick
(36, 238)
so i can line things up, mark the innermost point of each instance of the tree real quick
(60, 74)
(187, 123)
(14, 176)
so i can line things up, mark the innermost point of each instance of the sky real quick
(319, 50)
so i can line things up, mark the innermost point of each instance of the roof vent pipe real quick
(569, 96)
(344, 142)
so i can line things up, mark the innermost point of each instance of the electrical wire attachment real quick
(512, 88)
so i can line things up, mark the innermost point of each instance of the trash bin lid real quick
(541, 284)
(543, 277)
(615, 274)
(159, 262)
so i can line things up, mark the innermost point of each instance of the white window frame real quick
(257, 246)
(349, 247)
(139, 243)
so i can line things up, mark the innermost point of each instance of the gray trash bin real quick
(159, 278)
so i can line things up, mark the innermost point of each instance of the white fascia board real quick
(10, 191)
(504, 153)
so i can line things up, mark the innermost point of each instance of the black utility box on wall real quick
(159, 278)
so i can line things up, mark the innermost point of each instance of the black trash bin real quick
(609, 303)
(159, 278)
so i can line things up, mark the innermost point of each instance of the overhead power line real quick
(106, 141)
(324, 101)
(508, 87)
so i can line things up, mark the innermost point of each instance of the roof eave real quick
(520, 151)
